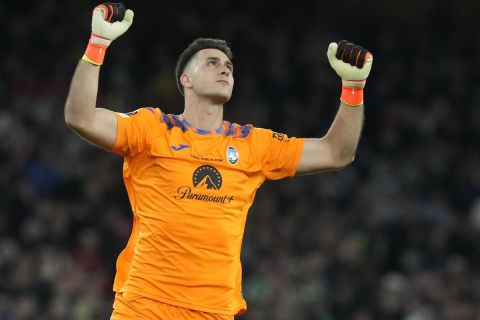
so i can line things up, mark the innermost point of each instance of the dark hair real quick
(193, 48)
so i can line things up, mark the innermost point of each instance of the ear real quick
(185, 80)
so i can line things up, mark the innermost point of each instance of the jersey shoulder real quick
(142, 112)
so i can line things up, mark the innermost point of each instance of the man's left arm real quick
(337, 148)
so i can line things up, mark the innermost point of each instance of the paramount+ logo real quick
(205, 178)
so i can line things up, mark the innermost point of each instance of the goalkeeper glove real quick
(352, 63)
(109, 21)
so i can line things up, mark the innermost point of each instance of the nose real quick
(224, 71)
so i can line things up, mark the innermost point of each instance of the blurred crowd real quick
(394, 236)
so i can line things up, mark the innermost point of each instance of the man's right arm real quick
(96, 125)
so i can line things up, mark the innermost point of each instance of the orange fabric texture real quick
(129, 306)
(190, 194)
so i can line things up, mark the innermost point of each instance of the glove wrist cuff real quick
(352, 96)
(102, 41)
(95, 53)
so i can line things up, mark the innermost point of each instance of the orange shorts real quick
(129, 306)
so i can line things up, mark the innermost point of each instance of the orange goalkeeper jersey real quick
(190, 192)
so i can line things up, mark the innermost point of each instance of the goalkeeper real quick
(191, 178)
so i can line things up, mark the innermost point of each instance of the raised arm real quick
(337, 148)
(96, 125)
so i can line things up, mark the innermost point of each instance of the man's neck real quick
(203, 115)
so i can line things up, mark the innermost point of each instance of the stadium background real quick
(393, 236)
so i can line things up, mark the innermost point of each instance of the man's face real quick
(210, 74)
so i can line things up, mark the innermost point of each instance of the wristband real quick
(352, 97)
(96, 48)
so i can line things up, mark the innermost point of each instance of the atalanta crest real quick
(232, 155)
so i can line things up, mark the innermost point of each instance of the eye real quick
(211, 63)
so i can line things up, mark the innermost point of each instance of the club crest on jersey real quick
(232, 155)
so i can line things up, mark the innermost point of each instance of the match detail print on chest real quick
(198, 148)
